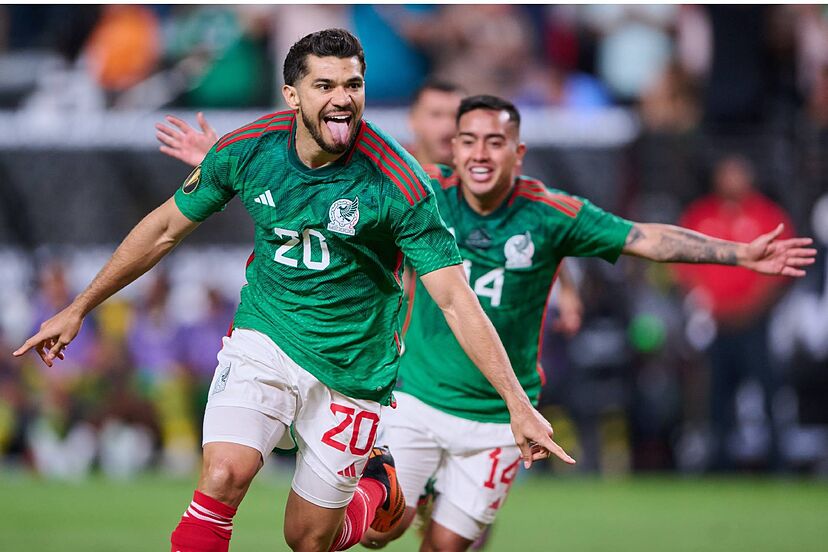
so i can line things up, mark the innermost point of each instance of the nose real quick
(479, 151)
(341, 97)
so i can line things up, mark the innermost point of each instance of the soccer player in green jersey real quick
(336, 204)
(512, 232)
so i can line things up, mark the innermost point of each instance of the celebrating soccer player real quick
(315, 348)
(450, 424)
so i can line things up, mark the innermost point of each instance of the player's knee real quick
(225, 478)
(307, 538)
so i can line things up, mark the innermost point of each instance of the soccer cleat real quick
(380, 467)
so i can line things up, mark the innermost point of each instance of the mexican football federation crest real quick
(192, 181)
(519, 250)
(344, 215)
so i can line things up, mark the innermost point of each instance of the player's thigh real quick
(254, 372)
(407, 432)
(334, 434)
(473, 487)
(310, 527)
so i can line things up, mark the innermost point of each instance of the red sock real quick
(206, 526)
(359, 514)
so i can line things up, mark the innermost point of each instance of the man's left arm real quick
(476, 334)
(766, 254)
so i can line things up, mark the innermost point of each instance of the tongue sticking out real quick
(339, 131)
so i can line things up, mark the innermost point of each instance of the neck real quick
(487, 204)
(308, 150)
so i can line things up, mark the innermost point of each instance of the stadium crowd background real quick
(643, 109)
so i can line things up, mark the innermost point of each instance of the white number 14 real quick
(488, 285)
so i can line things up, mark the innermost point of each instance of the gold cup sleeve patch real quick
(192, 181)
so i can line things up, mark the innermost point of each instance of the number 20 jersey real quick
(511, 257)
(324, 281)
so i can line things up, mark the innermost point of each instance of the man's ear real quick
(291, 96)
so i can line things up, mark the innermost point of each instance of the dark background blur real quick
(646, 110)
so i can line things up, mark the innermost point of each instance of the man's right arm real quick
(152, 238)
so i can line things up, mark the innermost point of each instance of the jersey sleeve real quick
(422, 236)
(208, 188)
(596, 233)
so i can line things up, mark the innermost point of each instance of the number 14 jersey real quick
(511, 257)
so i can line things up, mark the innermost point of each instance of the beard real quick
(316, 134)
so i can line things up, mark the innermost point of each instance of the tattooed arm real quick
(765, 254)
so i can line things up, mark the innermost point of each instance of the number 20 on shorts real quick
(359, 424)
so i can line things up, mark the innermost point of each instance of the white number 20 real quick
(488, 285)
(307, 252)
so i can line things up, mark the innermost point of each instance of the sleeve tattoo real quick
(679, 245)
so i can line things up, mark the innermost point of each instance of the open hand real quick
(186, 143)
(768, 255)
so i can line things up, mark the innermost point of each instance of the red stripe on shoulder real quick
(262, 122)
(252, 135)
(385, 170)
(407, 171)
(534, 196)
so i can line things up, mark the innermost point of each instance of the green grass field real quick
(569, 514)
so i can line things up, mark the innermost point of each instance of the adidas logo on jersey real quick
(265, 199)
(350, 471)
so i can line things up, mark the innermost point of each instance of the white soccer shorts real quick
(474, 463)
(258, 392)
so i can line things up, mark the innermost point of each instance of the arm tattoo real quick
(666, 243)
(685, 246)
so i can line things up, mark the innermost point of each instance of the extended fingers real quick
(205, 126)
(182, 126)
(167, 138)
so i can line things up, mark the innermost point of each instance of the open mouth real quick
(480, 174)
(339, 126)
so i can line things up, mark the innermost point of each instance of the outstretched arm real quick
(186, 143)
(450, 290)
(765, 254)
(146, 244)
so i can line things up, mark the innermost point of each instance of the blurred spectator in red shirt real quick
(738, 300)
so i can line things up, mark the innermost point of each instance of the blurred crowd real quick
(678, 62)
(696, 369)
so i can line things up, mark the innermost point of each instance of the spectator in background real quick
(221, 52)
(432, 120)
(634, 45)
(398, 65)
(483, 48)
(670, 104)
(738, 300)
(125, 46)
(153, 347)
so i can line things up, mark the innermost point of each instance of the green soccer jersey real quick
(511, 257)
(324, 278)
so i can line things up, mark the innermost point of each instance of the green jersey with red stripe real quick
(324, 280)
(511, 257)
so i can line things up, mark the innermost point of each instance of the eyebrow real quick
(486, 137)
(322, 80)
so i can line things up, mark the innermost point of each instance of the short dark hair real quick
(330, 42)
(492, 103)
(440, 86)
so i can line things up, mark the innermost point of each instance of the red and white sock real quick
(359, 514)
(206, 526)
